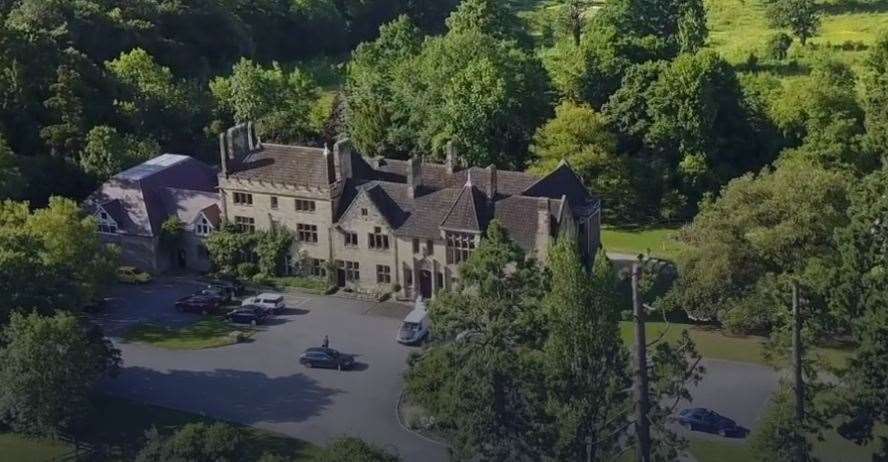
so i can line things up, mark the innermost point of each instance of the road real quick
(261, 383)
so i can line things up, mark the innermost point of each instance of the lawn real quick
(656, 241)
(119, 428)
(209, 332)
(312, 285)
(740, 27)
(713, 343)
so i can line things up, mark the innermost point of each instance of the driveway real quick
(261, 383)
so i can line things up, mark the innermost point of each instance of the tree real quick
(11, 181)
(277, 99)
(271, 248)
(581, 136)
(692, 28)
(353, 449)
(216, 442)
(875, 98)
(801, 17)
(489, 17)
(584, 407)
(743, 244)
(778, 45)
(107, 152)
(573, 14)
(48, 367)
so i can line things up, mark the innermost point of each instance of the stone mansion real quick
(380, 222)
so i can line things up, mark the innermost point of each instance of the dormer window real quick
(106, 225)
(203, 227)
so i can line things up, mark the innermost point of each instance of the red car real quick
(197, 304)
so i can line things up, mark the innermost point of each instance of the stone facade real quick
(383, 224)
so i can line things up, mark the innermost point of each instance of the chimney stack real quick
(544, 228)
(342, 154)
(451, 159)
(491, 183)
(414, 176)
(236, 143)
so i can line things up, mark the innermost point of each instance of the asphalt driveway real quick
(261, 383)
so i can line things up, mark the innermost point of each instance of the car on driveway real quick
(231, 286)
(197, 304)
(327, 358)
(248, 314)
(707, 420)
(270, 301)
(214, 293)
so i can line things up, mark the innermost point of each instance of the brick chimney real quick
(451, 157)
(342, 154)
(490, 188)
(414, 176)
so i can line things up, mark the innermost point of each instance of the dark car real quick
(197, 304)
(326, 357)
(248, 315)
(707, 420)
(229, 285)
(215, 293)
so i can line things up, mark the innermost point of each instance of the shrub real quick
(247, 270)
(626, 315)
(353, 450)
(778, 45)
(218, 442)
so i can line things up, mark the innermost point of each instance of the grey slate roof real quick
(139, 196)
(468, 212)
(275, 163)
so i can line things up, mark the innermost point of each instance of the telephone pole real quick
(799, 383)
(642, 426)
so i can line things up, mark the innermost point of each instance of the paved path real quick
(261, 383)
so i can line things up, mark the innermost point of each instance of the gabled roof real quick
(562, 181)
(296, 165)
(468, 212)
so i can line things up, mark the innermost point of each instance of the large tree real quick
(801, 17)
(875, 98)
(48, 368)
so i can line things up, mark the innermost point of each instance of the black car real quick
(326, 357)
(230, 285)
(248, 314)
(707, 420)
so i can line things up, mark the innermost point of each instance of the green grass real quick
(119, 427)
(658, 241)
(20, 448)
(312, 285)
(719, 451)
(740, 27)
(714, 343)
(207, 333)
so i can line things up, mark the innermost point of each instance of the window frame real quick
(307, 233)
(383, 274)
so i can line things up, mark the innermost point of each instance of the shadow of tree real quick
(240, 396)
(854, 6)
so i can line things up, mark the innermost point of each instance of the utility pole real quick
(799, 383)
(642, 426)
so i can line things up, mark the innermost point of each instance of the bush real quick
(247, 270)
(353, 450)
(626, 315)
(778, 45)
(217, 442)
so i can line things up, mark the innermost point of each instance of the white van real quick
(268, 301)
(415, 327)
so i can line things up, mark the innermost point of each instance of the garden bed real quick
(206, 333)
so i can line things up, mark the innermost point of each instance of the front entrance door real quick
(425, 284)
(340, 277)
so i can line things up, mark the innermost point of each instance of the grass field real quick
(654, 240)
(740, 27)
(207, 333)
(713, 343)
(119, 427)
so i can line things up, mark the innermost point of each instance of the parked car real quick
(249, 314)
(214, 293)
(132, 275)
(197, 304)
(415, 327)
(229, 284)
(326, 357)
(707, 420)
(270, 301)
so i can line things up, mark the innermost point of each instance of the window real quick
(104, 215)
(243, 198)
(274, 202)
(408, 277)
(377, 240)
(351, 269)
(364, 212)
(415, 245)
(307, 233)
(106, 224)
(430, 247)
(203, 227)
(246, 224)
(383, 274)
(459, 247)
(351, 239)
(305, 206)
(439, 281)
(316, 268)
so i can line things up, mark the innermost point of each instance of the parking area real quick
(261, 383)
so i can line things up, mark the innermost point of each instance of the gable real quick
(363, 210)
